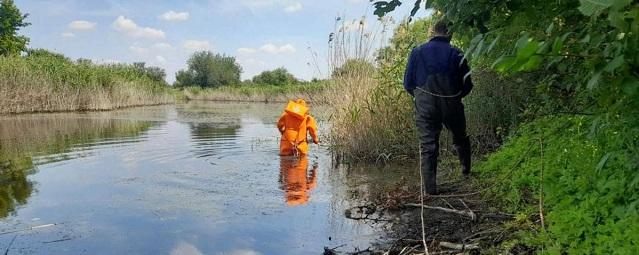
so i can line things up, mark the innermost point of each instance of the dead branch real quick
(459, 246)
(469, 214)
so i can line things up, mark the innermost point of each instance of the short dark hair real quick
(442, 27)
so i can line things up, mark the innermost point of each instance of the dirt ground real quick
(459, 216)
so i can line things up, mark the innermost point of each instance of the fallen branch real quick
(459, 246)
(469, 214)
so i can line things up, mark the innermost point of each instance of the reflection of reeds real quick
(48, 85)
(24, 137)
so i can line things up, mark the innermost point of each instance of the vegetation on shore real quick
(47, 82)
(563, 92)
(311, 91)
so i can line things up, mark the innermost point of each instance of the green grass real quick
(590, 185)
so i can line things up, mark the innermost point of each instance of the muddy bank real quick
(460, 220)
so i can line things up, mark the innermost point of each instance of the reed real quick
(52, 83)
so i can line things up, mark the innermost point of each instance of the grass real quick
(590, 185)
(53, 83)
(312, 92)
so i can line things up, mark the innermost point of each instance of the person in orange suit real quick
(295, 180)
(293, 125)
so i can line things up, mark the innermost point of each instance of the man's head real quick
(441, 28)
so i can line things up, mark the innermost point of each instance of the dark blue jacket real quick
(436, 57)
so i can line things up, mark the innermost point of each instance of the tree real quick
(11, 20)
(155, 73)
(279, 76)
(209, 70)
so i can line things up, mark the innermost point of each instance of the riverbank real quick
(311, 91)
(49, 82)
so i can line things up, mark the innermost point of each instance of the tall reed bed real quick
(51, 82)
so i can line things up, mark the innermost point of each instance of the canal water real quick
(196, 178)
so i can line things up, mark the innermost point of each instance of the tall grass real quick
(312, 92)
(51, 82)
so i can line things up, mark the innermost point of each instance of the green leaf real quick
(503, 63)
(630, 86)
(493, 43)
(594, 7)
(614, 64)
(602, 162)
(594, 80)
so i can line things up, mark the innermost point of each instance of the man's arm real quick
(409, 75)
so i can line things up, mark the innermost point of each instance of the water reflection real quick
(183, 179)
(295, 180)
(31, 140)
(15, 189)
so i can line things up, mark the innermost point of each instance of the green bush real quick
(278, 77)
(590, 184)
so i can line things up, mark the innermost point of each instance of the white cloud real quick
(162, 46)
(139, 50)
(82, 25)
(246, 51)
(195, 45)
(355, 1)
(293, 7)
(184, 248)
(129, 28)
(174, 16)
(160, 59)
(67, 35)
(274, 49)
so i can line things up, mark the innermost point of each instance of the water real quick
(197, 178)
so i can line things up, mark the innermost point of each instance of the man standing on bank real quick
(438, 77)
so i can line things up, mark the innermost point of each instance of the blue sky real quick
(261, 34)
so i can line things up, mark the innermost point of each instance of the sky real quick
(261, 34)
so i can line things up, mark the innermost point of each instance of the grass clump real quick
(47, 82)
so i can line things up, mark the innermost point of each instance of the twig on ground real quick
(469, 214)
(459, 246)
(541, 185)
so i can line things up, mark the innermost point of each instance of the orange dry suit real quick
(293, 124)
(295, 181)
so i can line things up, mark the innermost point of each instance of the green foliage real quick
(155, 73)
(353, 67)
(209, 70)
(584, 57)
(590, 183)
(11, 20)
(279, 76)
